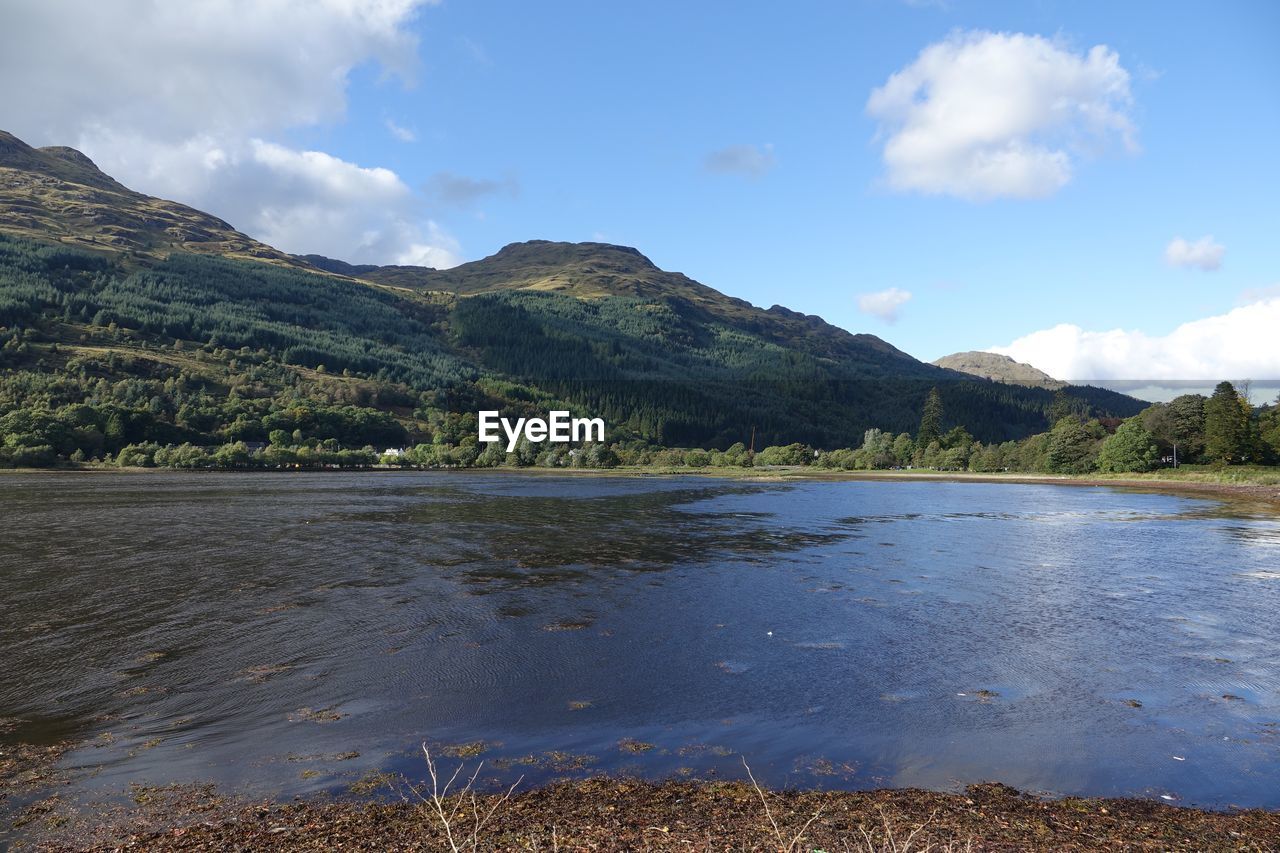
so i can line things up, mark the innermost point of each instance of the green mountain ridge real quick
(172, 339)
(599, 270)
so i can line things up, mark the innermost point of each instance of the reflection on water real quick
(289, 634)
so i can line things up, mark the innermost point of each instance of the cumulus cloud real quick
(982, 115)
(460, 190)
(1203, 254)
(196, 118)
(885, 304)
(1240, 343)
(751, 161)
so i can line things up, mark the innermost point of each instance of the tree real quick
(596, 456)
(876, 450)
(1070, 448)
(115, 431)
(1132, 448)
(929, 457)
(1269, 430)
(493, 455)
(957, 437)
(697, 458)
(930, 420)
(955, 458)
(791, 454)
(1179, 424)
(736, 456)
(1226, 425)
(903, 448)
(987, 459)
(1062, 407)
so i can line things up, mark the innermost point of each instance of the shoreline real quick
(619, 813)
(1258, 498)
(1264, 496)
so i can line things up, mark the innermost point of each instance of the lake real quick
(293, 634)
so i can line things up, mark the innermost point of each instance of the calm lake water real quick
(257, 630)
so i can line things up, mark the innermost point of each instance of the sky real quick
(1086, 186)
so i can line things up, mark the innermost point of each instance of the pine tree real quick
(930, 420)
(1226, 425)
(1063, 407)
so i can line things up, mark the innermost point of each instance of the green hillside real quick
(105, 344)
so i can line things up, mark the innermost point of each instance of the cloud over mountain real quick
(1239, 344)
(191, 100)
(885, 304)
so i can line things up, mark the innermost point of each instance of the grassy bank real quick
(620, 814)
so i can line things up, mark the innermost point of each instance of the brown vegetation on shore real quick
(622, 814)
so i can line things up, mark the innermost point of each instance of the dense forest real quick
(121, 358)
(1220, 430)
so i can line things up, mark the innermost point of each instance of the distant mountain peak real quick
(998, 368)
(557, 252)
(60, 162)
(71, 155)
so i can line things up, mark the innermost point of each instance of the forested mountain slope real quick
(141, 338)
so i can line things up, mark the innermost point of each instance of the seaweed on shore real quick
(623, 814)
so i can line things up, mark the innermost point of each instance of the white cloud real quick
(1238, 344)
(403, 134)
(179, 69)
(183, 100)
(884, 304)
(981, 115)
(1203, 254)
(440, 251)
(365, 215)
(752, 161)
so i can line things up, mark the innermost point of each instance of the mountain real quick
(128, 318)
(59, 194)
(998, 368)
(594, 271)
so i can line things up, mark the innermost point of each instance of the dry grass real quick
(461, 812)
(884, 840)
(785, 844)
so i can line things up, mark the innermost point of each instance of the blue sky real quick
(475, 124)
